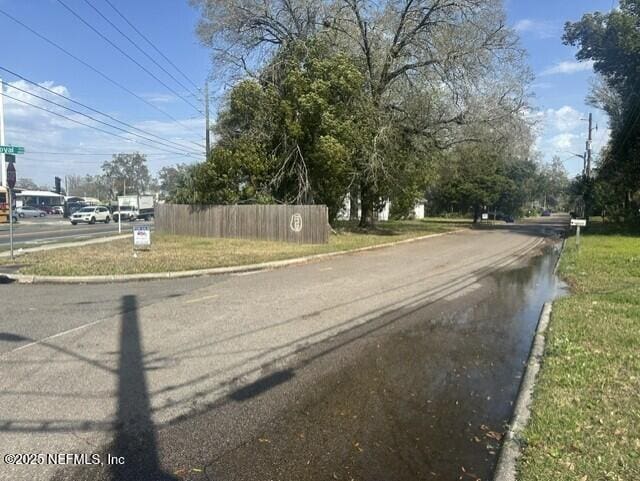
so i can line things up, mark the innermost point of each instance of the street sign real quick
(10, 149)
(579, 222)
(11, 176)
(141, 236)
(485, 216)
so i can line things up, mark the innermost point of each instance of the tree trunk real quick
(353, 203)
(476, 213)
(366, 206)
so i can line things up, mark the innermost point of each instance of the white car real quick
(26, 211)
(91, 214)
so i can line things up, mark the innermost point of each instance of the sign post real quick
(11, 182)
(578, 223)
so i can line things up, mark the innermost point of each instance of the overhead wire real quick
(166, 143)
(53, 92)
(186, 154)
(140, 49)
(114, 45)
(92, 68)
(144, 37)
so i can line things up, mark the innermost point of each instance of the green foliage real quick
(127, 173)
(290, 136)
(612, 41)
(586, 411)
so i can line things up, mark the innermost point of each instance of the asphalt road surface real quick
(400, 363)
(54, 229)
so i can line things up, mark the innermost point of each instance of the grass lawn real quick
(176, 253)
(585, 422)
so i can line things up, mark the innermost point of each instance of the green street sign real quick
(10, 149)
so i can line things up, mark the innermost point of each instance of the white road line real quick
(47, 339)
(199, 299)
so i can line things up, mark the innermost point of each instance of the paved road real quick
(54, 229)
(173, 375)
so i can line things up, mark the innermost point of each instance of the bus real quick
(4, 204)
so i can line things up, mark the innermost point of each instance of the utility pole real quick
(3, 166)
(206, 115)
(589, 142)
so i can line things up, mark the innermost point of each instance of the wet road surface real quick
(401, 363)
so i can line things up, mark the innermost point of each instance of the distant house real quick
(38, 198)
(382, 215)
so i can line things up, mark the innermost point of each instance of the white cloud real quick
(562, 142)
(568, 67)
(540, 28)
(158, 98)
(564, 119)
(541, 85)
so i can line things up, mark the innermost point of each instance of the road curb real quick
(512, 444)
(34, 279)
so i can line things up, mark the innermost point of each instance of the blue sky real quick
(560, 87)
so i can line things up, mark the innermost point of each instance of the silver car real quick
(26, 211)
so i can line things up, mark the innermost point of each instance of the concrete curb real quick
(33, 279)
(62, 245)
(511, 446)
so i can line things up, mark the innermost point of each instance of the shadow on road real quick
(135, 437)
(262, 385)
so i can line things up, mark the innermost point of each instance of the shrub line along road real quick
(84, 366)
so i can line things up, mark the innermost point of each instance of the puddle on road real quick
(425, 400)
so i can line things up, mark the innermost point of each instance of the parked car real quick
(509, 219)
(45, 208)
(128, 213)
(546, 213)
(28, 211)
(91, 214)
(58, 209)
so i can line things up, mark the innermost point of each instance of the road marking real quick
(46, 339)
(326, 269)
(199, 299)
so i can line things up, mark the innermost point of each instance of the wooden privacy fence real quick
(304, 224)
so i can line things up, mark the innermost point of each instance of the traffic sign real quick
(579, 222)
(11, 176)
(10, 158)
(10, 149)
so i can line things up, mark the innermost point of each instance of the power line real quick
(93, 118)
(39, 152)
(93, 126)
(139, 48)
(151, 44)
(162, 141)
(102, 74)
(106, 39)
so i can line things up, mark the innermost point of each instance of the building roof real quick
(37, 193)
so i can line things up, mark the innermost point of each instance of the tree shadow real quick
(262, 385)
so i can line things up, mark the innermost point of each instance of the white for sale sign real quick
(141, 236)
